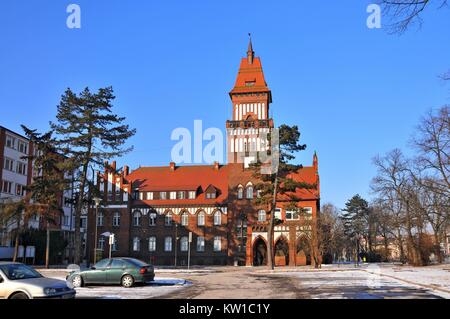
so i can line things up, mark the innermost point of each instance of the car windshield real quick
(19, 271)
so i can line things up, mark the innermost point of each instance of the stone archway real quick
(281, 252)
(259, 252)
(303, 252)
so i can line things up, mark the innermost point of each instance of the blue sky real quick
(354, 92)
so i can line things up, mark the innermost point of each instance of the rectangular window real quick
(83, 222)
(163, 195)
(192, 194)
(10, 142)
(210, 195)
(307, 211)
(200, 244)
(173, 195)
(292, 215)
(149, 195)
(181, 195)
(8, 164)
(116, 219)
(217, 243)
(168, 244)
(23, 147)
(66, 221)
(141, 195)
(21, 168)
(67, 202)
(6, 187)
(110, 196)
(278, 213)
(20, 190)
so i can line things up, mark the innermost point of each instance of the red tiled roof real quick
(189, 177)
(250, 73)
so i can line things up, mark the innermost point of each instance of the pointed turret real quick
(250, 52)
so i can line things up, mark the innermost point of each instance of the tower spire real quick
(250, 52)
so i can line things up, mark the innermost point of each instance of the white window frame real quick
(173, 195)
(168, 244)
(137, 218)
(184, 244)
(218, 218)
(200, 244)
(116, 219)
(152, 243)
(192, 194)
(217, 243)
(152, 219)
(262, 213)
(185, 219)
(136, 244)
(100, 218)
(201, 218)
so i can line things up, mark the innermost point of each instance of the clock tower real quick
(248, 131)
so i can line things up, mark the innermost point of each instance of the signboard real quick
(111, 239)
(190, 237)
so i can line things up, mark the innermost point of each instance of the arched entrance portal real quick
(259, 252)
(281, 252)
(303, 256)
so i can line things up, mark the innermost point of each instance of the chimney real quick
(126, 171)
(113, 165)
(172, 166)
(216, 166)
(106, 165)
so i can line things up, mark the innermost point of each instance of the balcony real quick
(250, 124)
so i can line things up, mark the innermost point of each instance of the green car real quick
(114, 271)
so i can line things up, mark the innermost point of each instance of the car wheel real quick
(127, 281)
(19, 295)
(77, 281)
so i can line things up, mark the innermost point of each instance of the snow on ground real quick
(157, 288)
(435, 278)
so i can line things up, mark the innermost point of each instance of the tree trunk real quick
(16, 247)
(47, 248)
(78, 209)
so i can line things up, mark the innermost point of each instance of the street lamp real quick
(97, 201)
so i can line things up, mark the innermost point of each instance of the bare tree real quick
(405, 13)
(432, 140)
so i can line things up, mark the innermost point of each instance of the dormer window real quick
(192, 194)
(250, 83)
(181, 195)
(211, 192)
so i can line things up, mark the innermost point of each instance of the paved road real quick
(246, 283)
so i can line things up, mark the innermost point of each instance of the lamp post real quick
(176, 243)
(97, 203)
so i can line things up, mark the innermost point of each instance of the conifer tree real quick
(88, 133)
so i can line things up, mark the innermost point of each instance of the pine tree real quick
(88, 133)
(279, 182)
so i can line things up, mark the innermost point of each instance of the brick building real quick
(151, 210)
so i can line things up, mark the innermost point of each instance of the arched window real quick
(262, 215)
(249, 192)
(240, 192)
(218, 218)
(217, 243)
(137, 218)
(100, 218)
(168, 244)
(136, 244)
(184, 243)
(201, 218)
(152, 219)
(116, 219)
(168, 219)
(184, 219)
(200, 243)
(152, 243)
